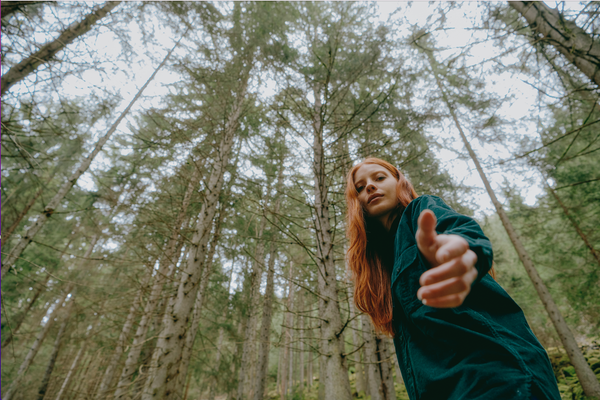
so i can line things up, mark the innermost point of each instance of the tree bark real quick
(43, 55)
(197, 313)
(361, 383)
(54, 355)
(109, 372)
(168, 352)
(301, 384)
(165, 271)
(36, 345)
(10, 7)
(337, 383)
(569, 39)
(265, 329)
(71, 372)
(588, 380)
(66, 187)
(246, 385)
(46, 328)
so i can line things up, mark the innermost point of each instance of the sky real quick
(128, 78)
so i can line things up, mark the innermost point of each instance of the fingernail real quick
(424, 301)
(419, 296)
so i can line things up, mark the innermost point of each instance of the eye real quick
(359, 189)
(380, 178)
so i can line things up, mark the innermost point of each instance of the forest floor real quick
(568, 384)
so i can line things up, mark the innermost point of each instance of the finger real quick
(456, 285)
(451, 301)
(426, 236)
(452, 246)
(456, 267)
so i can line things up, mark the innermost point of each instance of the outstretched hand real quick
(452, 272)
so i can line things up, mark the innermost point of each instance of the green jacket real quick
(483, 349)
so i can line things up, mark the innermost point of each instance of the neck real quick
(388, 220)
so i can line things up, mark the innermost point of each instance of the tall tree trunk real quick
(588, 380)
(569, 39)
(54, 355)
(309, 367)
(43, 55)
(36, 345)
(46, 328)
(361, 383)
(337, 383)
(246, 385)
(165, 271)
(66, 187)
(265, 328)
(168, 352)
(264, 338)
(41, 287)
(301, 341)
(374, 383)
(214, 378)
(285, 332)
(201, 297)
(71, 372)
(109, 372)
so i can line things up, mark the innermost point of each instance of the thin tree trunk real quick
(588, 380)
(267, 317)
(372, 370)
(36, 346)
(214, 378)
(109, 372)
(74, 365)
(45, 329)
(165, 271)
(11, 334)
(168, 352)
(66, 187)
(385, 366)
(301, 341)
(43, 55)
(54, 355)
(285, 333)
(569, 39)
(337, 383)
(309, 367)
(198, 306)
(361, 384)
(246, 385)
(265, 329)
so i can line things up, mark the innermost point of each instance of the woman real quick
(421, 272)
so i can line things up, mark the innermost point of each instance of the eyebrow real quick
(372, 174)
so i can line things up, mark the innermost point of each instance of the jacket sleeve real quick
(449, 222)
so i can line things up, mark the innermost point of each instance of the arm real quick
(458, 253)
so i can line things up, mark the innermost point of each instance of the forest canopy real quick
(173, 176)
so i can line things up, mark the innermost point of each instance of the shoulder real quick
(427, 202)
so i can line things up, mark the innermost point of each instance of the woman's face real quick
(376, 188)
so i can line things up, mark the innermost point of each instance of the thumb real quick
(426, 234)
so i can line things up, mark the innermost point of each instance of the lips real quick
(373, 197)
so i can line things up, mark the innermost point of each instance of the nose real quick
(371, 187)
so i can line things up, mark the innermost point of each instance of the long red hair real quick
(371, 275)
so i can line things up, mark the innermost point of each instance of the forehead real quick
(367, 170)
